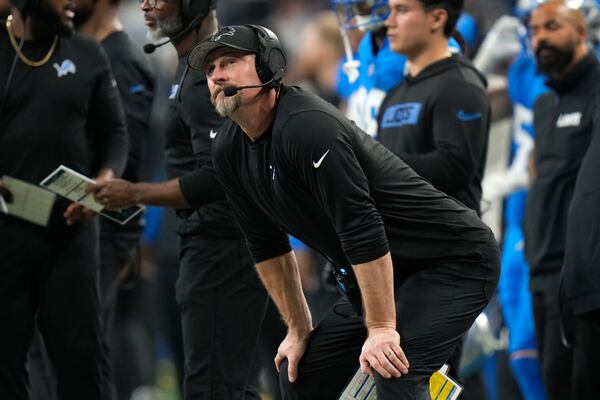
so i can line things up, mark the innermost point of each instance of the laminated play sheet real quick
(441, 387)
(71, 185)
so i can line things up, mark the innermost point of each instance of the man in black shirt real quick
(563, 125)
(54, 87)
(292, 163)
(98, 19)
(221, 299)
(437, 120)
(581, 268)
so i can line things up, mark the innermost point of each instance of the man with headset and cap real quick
(415, 265)
(55, 85)
(221, 300)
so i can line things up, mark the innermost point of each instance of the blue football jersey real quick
(525, 85)
(379, 72)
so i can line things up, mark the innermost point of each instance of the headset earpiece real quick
(270, 60)
(190, 9)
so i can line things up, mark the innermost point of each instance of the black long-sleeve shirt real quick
(191, 128)
(315, 175)
(563, 125)
(438, 123)
(46, 112)
(582, 250)
(135, 82)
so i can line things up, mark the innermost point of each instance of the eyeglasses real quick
(151, 3)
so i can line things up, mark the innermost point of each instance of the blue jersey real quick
(467, 26)
(379, 72)
(525, 85)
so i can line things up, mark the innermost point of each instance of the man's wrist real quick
(138, 191)
(380, 326)
(105, 174)
(300, 332)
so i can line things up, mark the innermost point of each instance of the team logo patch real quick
(571, 119)
(67, 67)
(229, 31)
(137, 88)
(466, 117)
(401, 114)
(174, 90)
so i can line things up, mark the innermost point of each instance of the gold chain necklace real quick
(22, 56)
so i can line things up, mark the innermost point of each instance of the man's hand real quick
(5, 193)
(382, 352)
(114, 194)
(76, 214)
(292, 348)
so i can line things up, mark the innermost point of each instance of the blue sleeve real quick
(467, 27)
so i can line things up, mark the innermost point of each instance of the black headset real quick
(270, 59)
(191, 9)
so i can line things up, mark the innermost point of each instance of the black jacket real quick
(317, 176)
(563, 124)
(438, 123)
(47, 113)
(581, 268)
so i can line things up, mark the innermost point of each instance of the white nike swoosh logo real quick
(318, 163)
(212, 134)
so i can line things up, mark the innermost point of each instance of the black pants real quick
(50, 272)
(222, 305)
(586, 359)
(434, 309)
(126, 312)
(117, 249)
(556, 360)
(569, 372)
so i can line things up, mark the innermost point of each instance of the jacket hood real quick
(455, 61)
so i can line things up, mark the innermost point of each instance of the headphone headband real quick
(270, 59)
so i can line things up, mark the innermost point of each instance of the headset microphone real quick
(149, 48)
(232, 90)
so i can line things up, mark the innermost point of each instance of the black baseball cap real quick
(239, 37)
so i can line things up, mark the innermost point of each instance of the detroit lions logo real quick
(65, 68)
(229, 31)
(174, 91)
(401, 114)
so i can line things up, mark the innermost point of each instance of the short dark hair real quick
(453, 9)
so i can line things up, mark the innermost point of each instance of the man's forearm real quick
(163, 194)
(281, 277)
(376, 282)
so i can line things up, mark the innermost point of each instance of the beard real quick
(167, 28)
(225, 106)
(83, 14)
(44, 12)
(554, 61)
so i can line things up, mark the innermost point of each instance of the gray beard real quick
(228, 106)
(168, 28)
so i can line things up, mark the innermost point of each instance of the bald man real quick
(562, 124)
